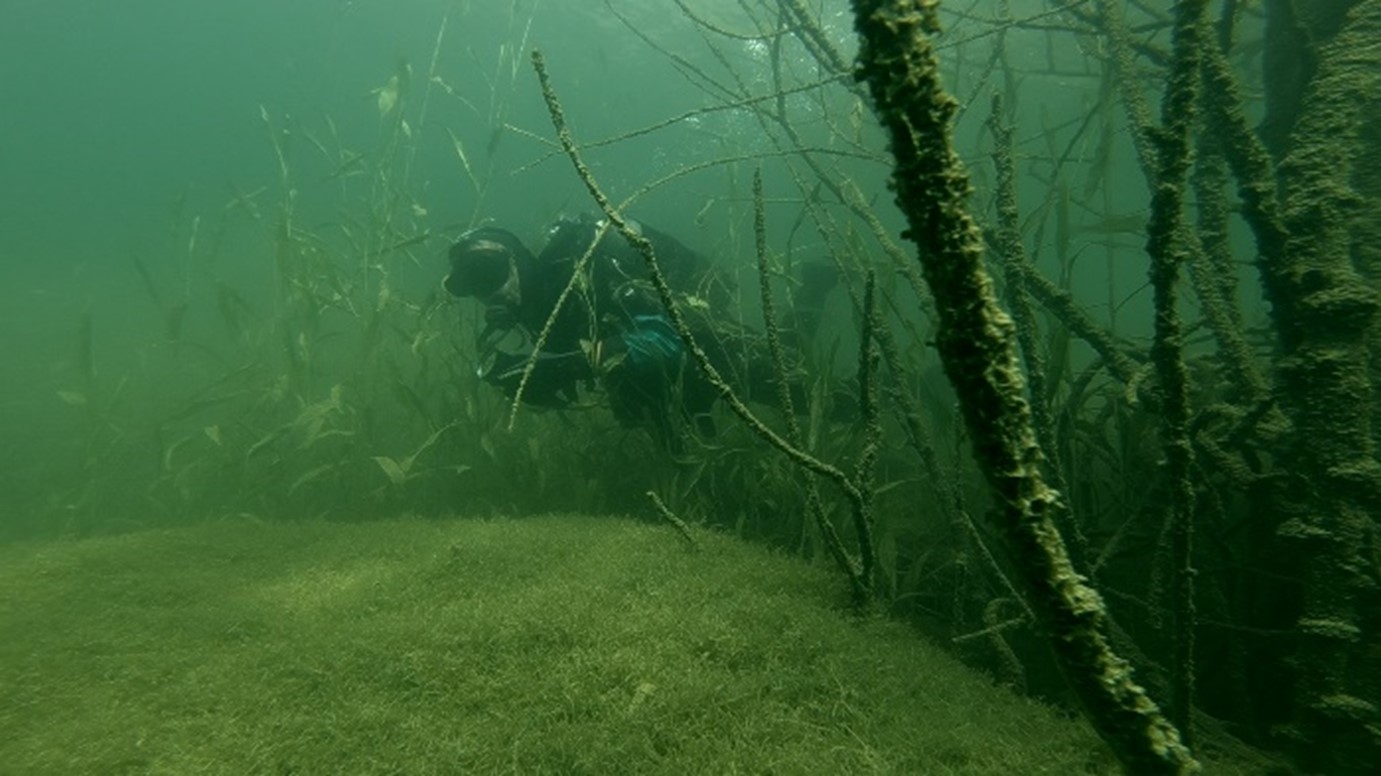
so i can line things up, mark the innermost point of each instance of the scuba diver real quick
(612, 333)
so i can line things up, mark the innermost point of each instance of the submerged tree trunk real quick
(976, 343)
(1294, 31)
(1326, 320)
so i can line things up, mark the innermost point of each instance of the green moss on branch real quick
(975, 340)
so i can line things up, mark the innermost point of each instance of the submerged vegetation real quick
(1183, 472)
(410, 646)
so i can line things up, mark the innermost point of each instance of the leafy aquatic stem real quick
(828, 532)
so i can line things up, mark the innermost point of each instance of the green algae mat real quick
(562, 644)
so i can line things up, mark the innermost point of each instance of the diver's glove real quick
(643, 365)
(652, 351)
(646, 376)
(553, 382)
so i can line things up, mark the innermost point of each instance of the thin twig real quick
(676, 522)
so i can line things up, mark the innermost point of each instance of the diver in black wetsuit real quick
(612, 333)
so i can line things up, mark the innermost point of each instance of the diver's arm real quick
(554, 380)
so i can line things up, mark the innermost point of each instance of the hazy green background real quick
(122, 124)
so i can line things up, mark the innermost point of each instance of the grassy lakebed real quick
(561, 644)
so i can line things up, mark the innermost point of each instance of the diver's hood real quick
(477, 269)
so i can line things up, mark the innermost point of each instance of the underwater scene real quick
(690, 387)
